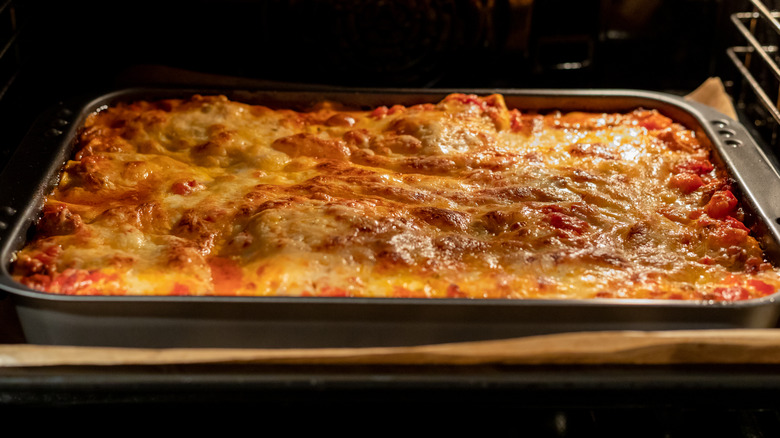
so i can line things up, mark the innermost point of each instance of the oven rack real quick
(757, 89)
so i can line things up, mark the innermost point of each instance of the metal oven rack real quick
(757, 87)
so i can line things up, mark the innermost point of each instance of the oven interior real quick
(52, 50)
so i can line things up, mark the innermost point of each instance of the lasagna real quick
(461, 198)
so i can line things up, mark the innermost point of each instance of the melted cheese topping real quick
(464, 198)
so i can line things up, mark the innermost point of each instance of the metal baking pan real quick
(297, 322)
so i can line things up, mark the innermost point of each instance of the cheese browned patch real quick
(463, 198)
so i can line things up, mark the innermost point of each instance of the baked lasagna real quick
(461, 198)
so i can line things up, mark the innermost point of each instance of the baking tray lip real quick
(96, 100)
(88, 104)
(21, 292)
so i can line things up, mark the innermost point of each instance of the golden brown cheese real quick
(463, 198)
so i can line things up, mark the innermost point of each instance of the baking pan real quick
(306, 322)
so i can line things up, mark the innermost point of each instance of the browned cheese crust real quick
(463, 198)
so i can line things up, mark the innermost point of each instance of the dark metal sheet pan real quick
(296, 322)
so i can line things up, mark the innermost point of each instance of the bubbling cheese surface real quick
(463, 198)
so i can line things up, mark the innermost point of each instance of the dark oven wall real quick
(57, 49)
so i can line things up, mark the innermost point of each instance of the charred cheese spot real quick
(57, 219)
(442, 218)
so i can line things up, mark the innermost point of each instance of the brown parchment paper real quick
(741, 346)
(713, 93)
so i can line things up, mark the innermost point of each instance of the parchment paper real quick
(713, 93)
(742, 346)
